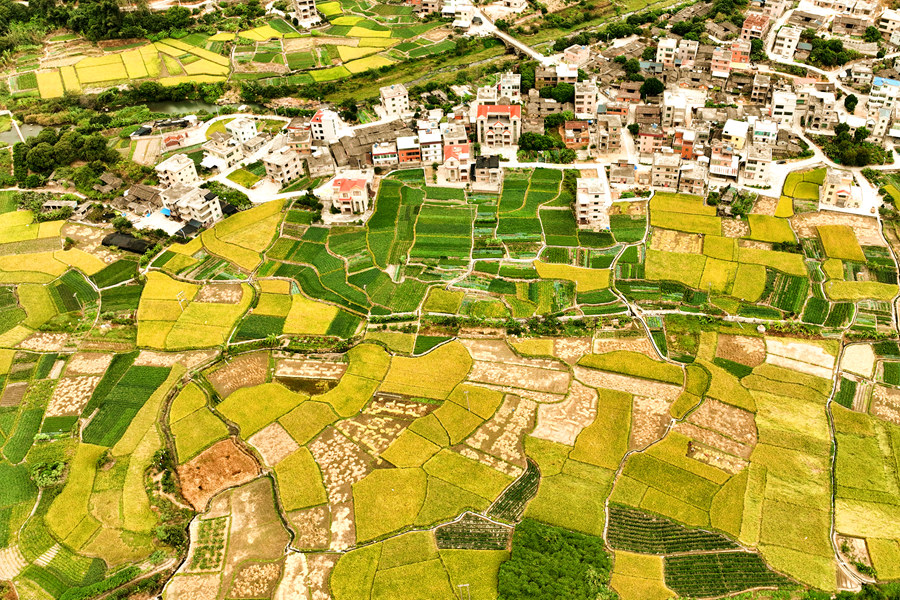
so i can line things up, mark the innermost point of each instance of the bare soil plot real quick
(571, 349)
(633, 344)
(11, 563)
(13, 394)
(273, 443)
(716, 458)
(520, 376)
(854, 549)
(293, 582)
(866, 229)
(861, 399)
(309, 369)
(56, 371)
(502, 435)
(146, 151)
(859, 359)
(255, 580)
(189, 360)
(246, 370)
(46, 342)
(89, 239)
(89, 363)
(220, 293)
(374, 433)
(311, 527)
(343, 527)
(744, 349)
(320, 567)
(476, 333)
(192, 587)
(666, 392)
(539, 397)
(638, 207)
(886, 403)
(394, 406)
(219, 467)
(649, 418)
(564, 421)
(735, 229)
(436, 35)
(676, 241)
(756, 244)
(342, 463)
(71, 395)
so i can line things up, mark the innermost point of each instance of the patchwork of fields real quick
(338, 411)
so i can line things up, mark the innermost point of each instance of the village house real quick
(178, 168)
(350, 195)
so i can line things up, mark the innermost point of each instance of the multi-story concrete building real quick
(684, 143)
(760, 91)
(408, 150)
(577, 134)
(720, 65)
(221, 152)
(577, 55)
(756, 167)
(765, 132)
(849, 25)
(457, 162)
(284, 165)
(384, 154)
(666, 51)
(242, 129)
(820, 113)
(724, 161)
(178, 168)
(510, 87)
(498, 125)
(664, 173)
(395, 100)
(675, 111)
(735, 133)
(650, 139)
(592, 201)
(327, 126)
(609, 133)
(786, 41)
(486, 171)
(692, 178)
(838, 190)
(888, 22)
(586, 100)
(740, 55)
(784, 107)
(687, 53)
(561, 73)
(431, 6)
(305, 11)
(350, 195)
(190, 203)
(884, 94)
(431, 146)
(755, 27)
(883, 120)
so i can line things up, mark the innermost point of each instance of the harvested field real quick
(886, 404)
(730, 421)
(220, 293)
(670, 240)
(716, 458)
(498, 351)
(529, 378)
(799, 356)
(13, 394)
(309, 369)
(192, 587)
(502, 435)
(714, 440)
(311, 526)
(342, 463)
(649, 418)
(865, 228)
(539, 397)
(220, 466)
(632, 344)
(189, 360)
(71, 395)
(88, 363)
(374, 433)
(273, 443)
(733, 228)
(744, 349)
(46, 342)
(859, 359)
(386, 405)
(571, 349)
(89, 239)
(563, 422)
(255, 580)
(246, 370)
(765, 205)
(666, 392)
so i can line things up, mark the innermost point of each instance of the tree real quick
(649, 53)
(850, 102)
(757, 50)
(872, 34)
(860, 135)
(632, 66)
(634, 128)
(564, 92)
(652, 87)
(41, 158)
(121, 224)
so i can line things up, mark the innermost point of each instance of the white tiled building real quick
(592, 201)
(884, 94)
(511, 86)
(586, 100)
(188, 202)
(786, 41)
(784, 107)
(756, 168)
(178, 168)
(395, 100)
(242, 129)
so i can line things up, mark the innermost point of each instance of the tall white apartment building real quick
(511, 86)
(586, 100)
(242, 129)
(884, 94)
(178, 168)
(786, 41)
(783, 108)
(395, 100)
(592, 201)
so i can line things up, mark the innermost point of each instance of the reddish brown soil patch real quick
(13, 394)
(219, 467)
(246, 370)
